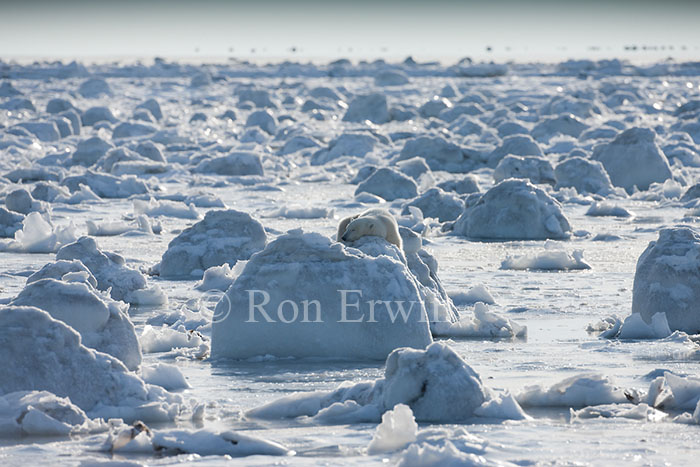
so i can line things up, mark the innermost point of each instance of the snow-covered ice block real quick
(435, 383)
(483, 323)
(439, 153)
(604, 208)
(576, 391)
(397, 430)
(437, 204)
(221, 237)
(10, 222)
(517, 145)
(537, 170)
(587, 176)
(105, 185)
(40, 413)
(667, 280)
(372, 107)
(103, 323)
(39, 235)
(514, 209)
(111, 272)
(390, 78)
(164, 375)
(553, 258)
(94, 87)
(236, 163)
(634, 159)
(388, 184)
(54, 360)
(304, 296)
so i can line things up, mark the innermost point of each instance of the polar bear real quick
(375, 222)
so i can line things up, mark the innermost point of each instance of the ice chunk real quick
(436, 384)
(514, 209)
(111, 273)
(478, 293)
(553, 258)
(39, 235)
(221, 237)
(372, 107)
(437, 204)
(338, 301)
(483, 323)
(603, 208)
(94, 87)
(236, 163)
(389, 184)
(54, 360)
(390, 78)
(667, 280)
(517, 145)
(102, 322)
(535, 169)
(634, 159)
(576, 391)
(398, 429)
(165, 376)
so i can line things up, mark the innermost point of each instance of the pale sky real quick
(437, 29)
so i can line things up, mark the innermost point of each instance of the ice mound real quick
(553, 258)
(463, 186)
(217, 278)
(40, 413)
(634, 159)
(604, 208)
(154, 208)
(264, 120)
(587, 176)
(8, 90)
(95, 115)
(347, 144)
(236, 163)
(258, 97)
(153, 108)
(338, 301)
(71, 271)
(642, 412)
(478, 293)
(667, 280)
(397, 430)
(436, 383)
(48, 356)
(166, 376)
(103, 323)
(132, 130)
(576, 391)
(44, 131)
(221, 237)
(372, 107)
(483, 323)
(536, 169)
(141, 439)
(517, 145)
(111, 272)
(176, 338)
(673, 392)
(390, 78)
(22, 202)
(94, 87)
(389, 184)
(438, 153)
(105, 185)
(438, 204)
(514, 209)
(90, 150)
(39, 235)
(10, 223)
(569, 125)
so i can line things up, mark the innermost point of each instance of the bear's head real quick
(362, 227)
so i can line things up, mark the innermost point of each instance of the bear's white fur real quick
(375, 222)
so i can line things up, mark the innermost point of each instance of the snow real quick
(667, 279)
(514, 209)
(221, 237)
(164, 375)
(341, 301)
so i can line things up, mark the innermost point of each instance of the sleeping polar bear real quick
(376, 222)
